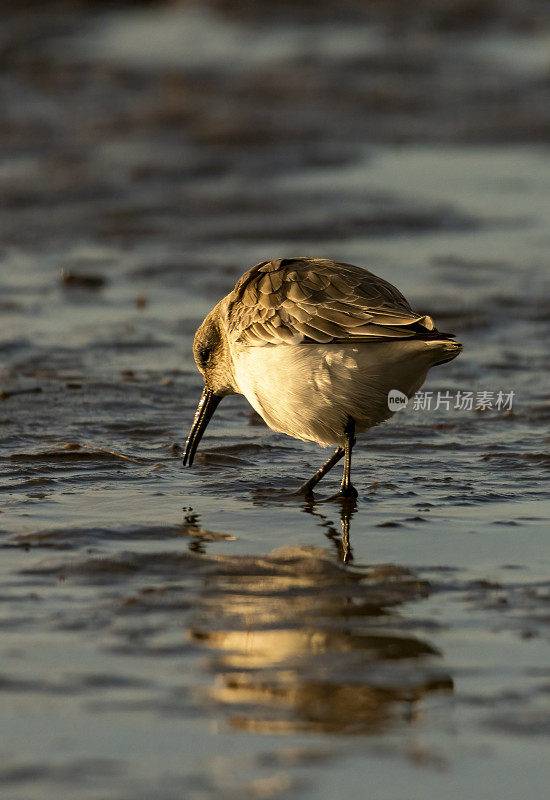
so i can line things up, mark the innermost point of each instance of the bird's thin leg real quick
(347, 489)
(307, 487)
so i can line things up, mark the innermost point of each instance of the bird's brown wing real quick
(300, 300)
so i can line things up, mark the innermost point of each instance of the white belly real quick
(308, 391)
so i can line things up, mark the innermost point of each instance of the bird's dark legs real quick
(347, 489)
(307, 487)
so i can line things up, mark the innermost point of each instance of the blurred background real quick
(170, 633)
(172, 127)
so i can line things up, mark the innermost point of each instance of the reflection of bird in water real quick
(315, 346)
(300, 643)
(341, 542)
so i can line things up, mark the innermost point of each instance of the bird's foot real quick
(348, 491)
(305, 490)
(347, 494)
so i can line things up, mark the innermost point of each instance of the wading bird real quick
(315, 346)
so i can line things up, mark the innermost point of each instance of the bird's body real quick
(308, 391)
(315, 346)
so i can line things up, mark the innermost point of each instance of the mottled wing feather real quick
(293, 301)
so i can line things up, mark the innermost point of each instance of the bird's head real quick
(213, 359)
(212, 355)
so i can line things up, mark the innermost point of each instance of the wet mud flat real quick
(203, 633)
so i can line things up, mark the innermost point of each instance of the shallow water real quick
(203, 633)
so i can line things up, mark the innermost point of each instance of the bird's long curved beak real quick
(204, 413)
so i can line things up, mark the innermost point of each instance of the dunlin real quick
(315, 346)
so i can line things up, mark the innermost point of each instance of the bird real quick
(315, 346)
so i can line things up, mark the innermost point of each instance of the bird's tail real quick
(444, 350)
